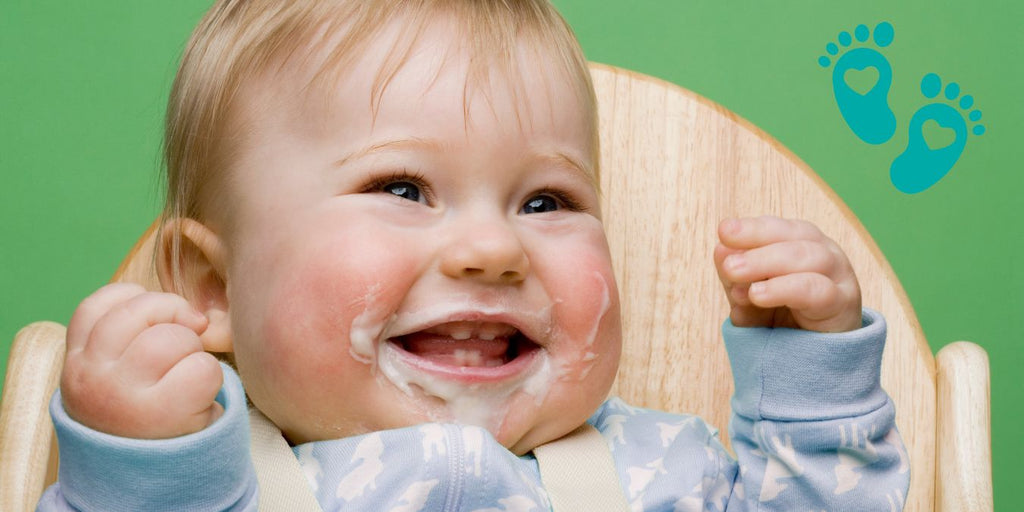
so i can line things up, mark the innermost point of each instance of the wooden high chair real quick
(673, 165)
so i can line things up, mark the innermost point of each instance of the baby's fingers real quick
(94, 307)
(187, 396)
(806, 291)
(751, 232)
(155, 351)
(722, 253)
(816, 302)
(781, 258)
(126, 320)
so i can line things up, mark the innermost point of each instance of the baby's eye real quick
(400, 184)
(549, 200)
(404, 189)
(540, 204)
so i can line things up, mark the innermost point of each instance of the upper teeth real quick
(476, 330)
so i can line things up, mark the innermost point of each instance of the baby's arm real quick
(145, 419)
(812, 427)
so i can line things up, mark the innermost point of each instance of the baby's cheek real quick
(311, 316)
(303, 334)
(318, 306)
(587, 314)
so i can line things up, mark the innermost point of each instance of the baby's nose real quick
(492, 254)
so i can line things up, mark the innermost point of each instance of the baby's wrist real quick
(797, 375)
(131, 423)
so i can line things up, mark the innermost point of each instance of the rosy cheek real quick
(311, 313)
(302, 329)
(587, 313)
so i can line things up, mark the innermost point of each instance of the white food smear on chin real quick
(483, 405)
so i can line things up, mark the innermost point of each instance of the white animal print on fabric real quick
(414, 499)
(895, 500)
(363, 477)
(855, 451)
(433, 441)
(641, 477)
(892, 438)
(613, 429)
(310, 466)
(473, 441)
(781, 464)
(718, 489)
(738, 490)
(669, 431)
(711, 494)
(693, 502)
(616, 404)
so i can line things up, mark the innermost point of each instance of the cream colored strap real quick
(579, 473)
(283, 485)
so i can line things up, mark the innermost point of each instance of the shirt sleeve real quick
(811, 426)
(207, 470)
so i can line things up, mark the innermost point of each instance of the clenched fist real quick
(135, 366)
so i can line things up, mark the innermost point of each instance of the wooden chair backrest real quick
(673, 165)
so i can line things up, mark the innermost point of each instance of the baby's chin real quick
(528, 424)
(520, 423)
(524, 441)
(520, 415)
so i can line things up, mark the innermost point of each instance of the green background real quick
(83, 86)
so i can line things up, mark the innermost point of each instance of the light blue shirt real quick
(812, 430)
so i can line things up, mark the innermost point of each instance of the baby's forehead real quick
(404, 60)
(341, 58)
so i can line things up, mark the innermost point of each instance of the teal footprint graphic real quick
(867, 114)
(921, 165)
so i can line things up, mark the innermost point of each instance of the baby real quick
(385, 215)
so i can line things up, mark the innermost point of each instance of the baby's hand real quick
(135, 366)
(786, 273)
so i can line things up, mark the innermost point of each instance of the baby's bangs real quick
(491, 32)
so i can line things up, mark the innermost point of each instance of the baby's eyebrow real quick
(555, 158)
(410, 143)
(564, 160)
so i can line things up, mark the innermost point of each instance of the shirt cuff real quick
(796, 375)
(209, 469)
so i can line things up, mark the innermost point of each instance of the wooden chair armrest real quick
(963, 437)
(27, 462)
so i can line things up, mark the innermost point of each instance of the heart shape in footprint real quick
(937, 136)
(861, 81)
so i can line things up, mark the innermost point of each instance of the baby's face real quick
(442, 261)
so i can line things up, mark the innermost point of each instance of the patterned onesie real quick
(812, 429)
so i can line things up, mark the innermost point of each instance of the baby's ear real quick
(200, 261)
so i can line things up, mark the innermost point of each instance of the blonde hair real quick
(238, 40)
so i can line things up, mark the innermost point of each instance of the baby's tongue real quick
(450, 351)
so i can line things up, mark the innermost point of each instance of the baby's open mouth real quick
(473, 366)
(467, 344)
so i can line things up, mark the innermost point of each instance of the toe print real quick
(929, 157)
(865, 108)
